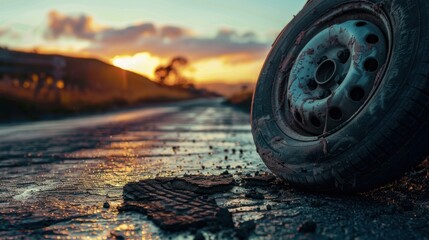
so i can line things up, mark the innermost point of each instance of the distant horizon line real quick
(107, 61)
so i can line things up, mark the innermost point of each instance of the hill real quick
(34, 84)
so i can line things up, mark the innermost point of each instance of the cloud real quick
(128, 34)
(198, 48)
(8, 32)
(82, 27)
(163, 41)
(172, 32)
(4, 31)
(71, 26)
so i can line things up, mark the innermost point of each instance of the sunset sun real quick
(143, 63)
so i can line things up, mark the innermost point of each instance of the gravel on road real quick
(74, 183)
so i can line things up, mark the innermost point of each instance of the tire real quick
(377, 132)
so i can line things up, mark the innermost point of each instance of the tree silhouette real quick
(163, 73)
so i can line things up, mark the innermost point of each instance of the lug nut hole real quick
(357, 93)
(371, 65)
(343, 55)
(335, 113)
(315, 121)
(360, 24)
(372, 39)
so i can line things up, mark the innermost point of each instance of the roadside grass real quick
(17, 101)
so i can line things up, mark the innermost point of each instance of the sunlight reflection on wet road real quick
(78, 164)
(26, 131)
(55, 185)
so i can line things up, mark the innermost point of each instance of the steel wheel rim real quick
(343, 13)
(334, 74)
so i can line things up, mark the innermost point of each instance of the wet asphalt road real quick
(55, 177)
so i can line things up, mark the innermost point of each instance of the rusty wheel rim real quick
(334, 74)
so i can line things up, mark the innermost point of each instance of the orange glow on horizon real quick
(204, 71)
(143, 63)
(221, 69)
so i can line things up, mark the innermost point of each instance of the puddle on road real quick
(35, 130)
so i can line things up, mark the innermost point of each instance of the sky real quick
(224, 40)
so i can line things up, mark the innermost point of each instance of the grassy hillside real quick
(86, 85)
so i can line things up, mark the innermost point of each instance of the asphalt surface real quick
(65, 178)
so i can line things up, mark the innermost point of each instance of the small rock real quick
(199, 236)
(224, 218)
(269, 207)
(307, 227)
(106, 204)
(116, 235)
(245, 229)
(259, 179)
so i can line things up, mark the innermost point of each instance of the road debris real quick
(177, 204)
(92, 166)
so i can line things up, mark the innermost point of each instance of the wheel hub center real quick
(326, 72)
